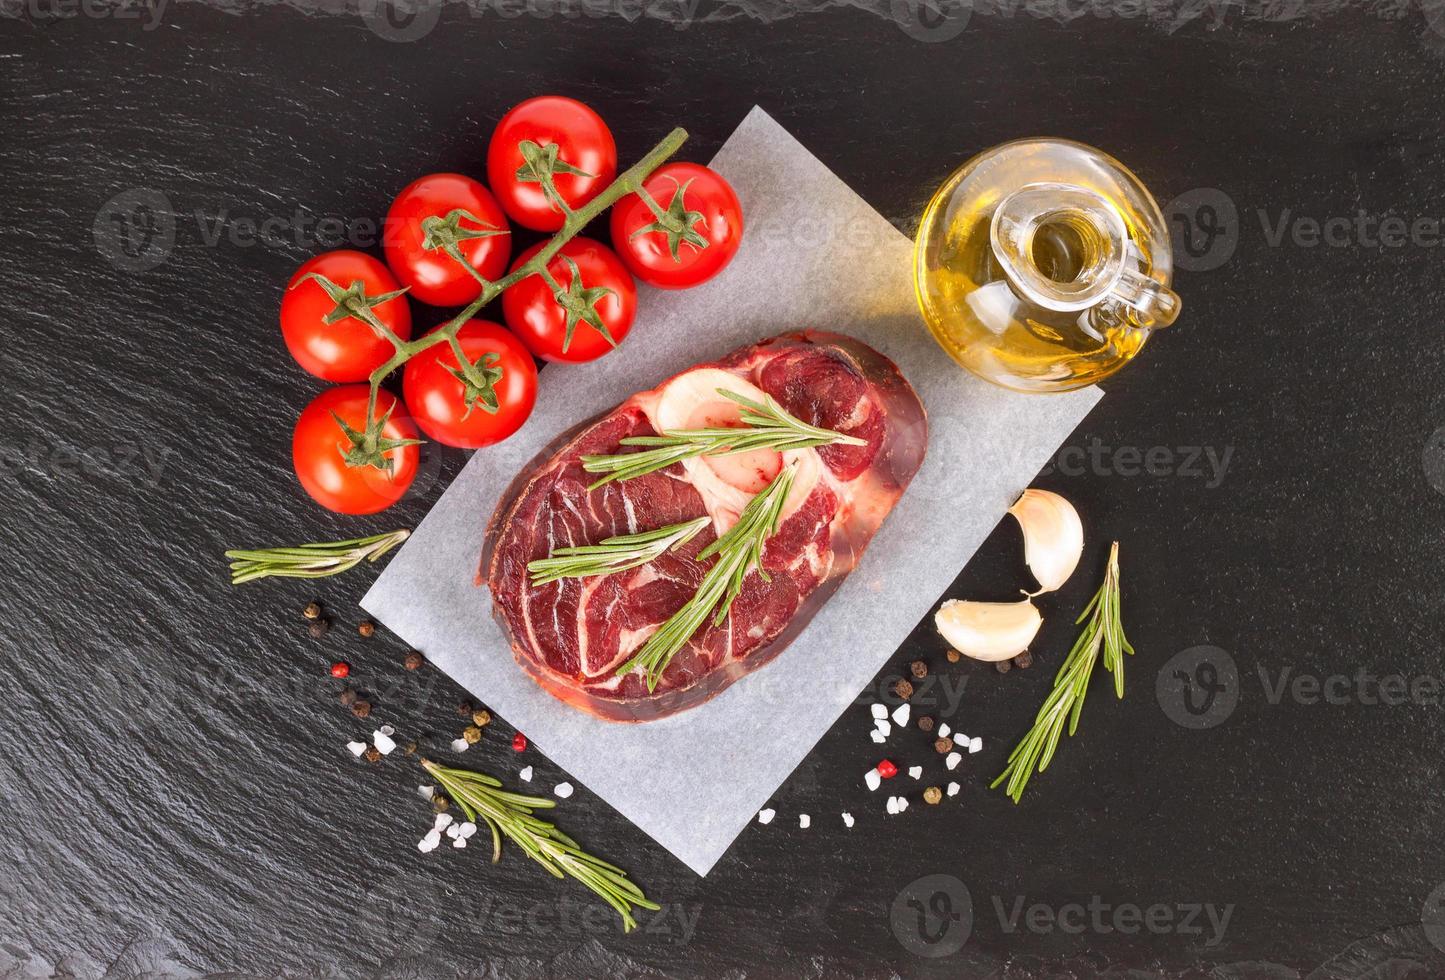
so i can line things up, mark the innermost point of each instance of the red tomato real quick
(319, 447)
(696, 239)
(438, 398)
(428, 205)
(582, 164)
(534, 314)
(348, 349)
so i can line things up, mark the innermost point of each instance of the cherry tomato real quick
(348, 349)
(582, 164)
(319, 447)
(438, 398)
(427, 209)
(534, 314)
(696, 239)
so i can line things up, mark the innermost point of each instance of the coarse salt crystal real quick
(900, 715)
(877, 736)
(766, 816)
(804, 821)
(873, 778)
(952, 789)
(388, 730)
(892, 805)
(460, 745)
(453, 830)
(943, 730)
(563, 790)
(975, 744)
(459, 842)
(880, 712)
(466, 829)
(383, 742)
(429, 842)
(525, 775)
(426, 792)
(952, 760)
(356, 747)
(441, 822)
(883, 728)
(915, 771)
(848, 820)
(902, 804)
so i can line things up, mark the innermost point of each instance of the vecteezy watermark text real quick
(1101, 918)
(1207, 463)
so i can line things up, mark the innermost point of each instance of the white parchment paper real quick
(814, 255)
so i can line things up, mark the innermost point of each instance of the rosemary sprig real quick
(1105, 632)
(510, 815)
(766, 425)
(739, 551)
(311, 560)
(616, 554)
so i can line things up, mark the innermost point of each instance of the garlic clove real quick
(990, 631)
(1053, 536)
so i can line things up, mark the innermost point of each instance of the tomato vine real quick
(369, 446)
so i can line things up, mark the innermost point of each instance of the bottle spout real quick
(1067, 248)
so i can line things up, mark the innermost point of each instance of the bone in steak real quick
(572, 635)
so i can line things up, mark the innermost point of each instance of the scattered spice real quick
(366, 628)
(933, 795)
(465, 709)
(348, 697)
(1024, 660)
(919, 669)
(481, 718)
(312, 610)
(903, 689)
(414, 660)
(472, 734)
(340, 669)
(887, 769)
(409, 748)
(439, 803)
(925, 723)
(372, 754)
(519, 742)
(954, 656)
(318, 628)
(943, 746)
(361, 709)
(1003, 666)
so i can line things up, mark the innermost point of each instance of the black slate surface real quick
(177, 799)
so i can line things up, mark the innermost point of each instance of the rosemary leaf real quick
(509, 815)
(616, 554)
(311, 560)
(766, 425)
(738, 551)
(1104, 632)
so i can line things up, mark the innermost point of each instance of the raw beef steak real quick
(572, 635)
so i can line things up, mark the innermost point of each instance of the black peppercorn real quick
(312, 610)
(1003, 666)
(903, 689)
(366, 628)
(919, 669)
(1024, 660)
(361, 709)
(954, 656)
(318, 628)
(414, 660)
(943, 746)
(925, 723)
(372, 754)
(465, 709)
(348, 697)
